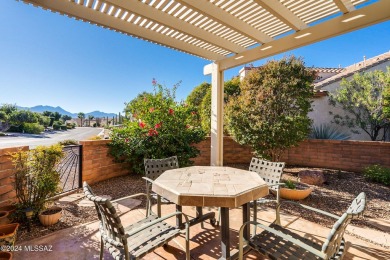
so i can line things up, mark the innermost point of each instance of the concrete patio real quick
(82, 242)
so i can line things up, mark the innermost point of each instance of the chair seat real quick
(146, 240)
(276, 247)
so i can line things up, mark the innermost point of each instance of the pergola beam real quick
(206, 8)
(345, 6)
(153, 14)
(96, 17)
(369, 15)
(280, 11)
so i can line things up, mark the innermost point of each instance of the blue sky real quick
(49, 59)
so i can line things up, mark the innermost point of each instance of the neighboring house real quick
(320, 105)
(328, 80)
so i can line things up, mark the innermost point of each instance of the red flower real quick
(158, 125)
(151, 109)
(152, 132)
(141, 124)
(188, 126)
(171, 111)
(126, 140)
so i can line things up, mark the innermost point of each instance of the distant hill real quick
(62, 111)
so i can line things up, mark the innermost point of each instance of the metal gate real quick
(70, 168)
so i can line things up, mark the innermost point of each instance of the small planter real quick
(8, 234)
(5, 255)
(300, 193)
(4, 217)
(9, 210)
(50, 216)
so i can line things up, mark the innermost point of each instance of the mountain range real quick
(62, 111)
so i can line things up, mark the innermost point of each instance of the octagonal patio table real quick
(210, 186)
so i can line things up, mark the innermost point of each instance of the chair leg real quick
(277, 219)
(101, 248)
(254, 216)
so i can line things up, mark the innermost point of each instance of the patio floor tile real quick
(82, 242)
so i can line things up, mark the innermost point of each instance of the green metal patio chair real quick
(277, 242)
(136, 240)
(153, 169)
(271, 172)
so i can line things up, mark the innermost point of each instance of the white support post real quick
(216, 116)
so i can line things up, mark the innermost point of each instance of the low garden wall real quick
(7, 171)
(332, 154)
(97, 164)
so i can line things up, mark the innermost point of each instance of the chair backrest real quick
(111, 227)
(271, 172)
(332, 245)
(155, 167)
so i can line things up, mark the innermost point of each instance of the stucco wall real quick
(321, 108)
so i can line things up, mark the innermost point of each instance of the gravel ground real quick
(334, 196)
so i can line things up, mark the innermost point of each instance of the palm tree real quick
(81, 115)
(90, 117)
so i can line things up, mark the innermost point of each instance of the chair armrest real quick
(310, 208)
(131, 196)
(143, 227)
(280, 234)
(148, 180)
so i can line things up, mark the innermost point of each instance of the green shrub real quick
(378, 173)
(326, 131)
(162, 128)
(36, 177)
(63, 127)
(57, 125)
(69, 142)
(33, 128)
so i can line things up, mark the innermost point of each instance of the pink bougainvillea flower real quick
(158, 125)
(141, 124)
(152, 132)
(151, 109)
(154, 82)
(171, 111)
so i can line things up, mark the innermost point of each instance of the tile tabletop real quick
(210, 186)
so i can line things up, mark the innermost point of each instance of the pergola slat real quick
(216, 13)
(170, 21)
(100, 18)
(282, 13)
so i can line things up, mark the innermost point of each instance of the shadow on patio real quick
(83, 242)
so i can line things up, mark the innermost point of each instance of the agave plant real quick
(327, 131)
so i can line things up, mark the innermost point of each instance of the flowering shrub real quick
(159, 127)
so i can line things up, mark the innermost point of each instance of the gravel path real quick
(334, 196)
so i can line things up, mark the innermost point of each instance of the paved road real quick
(79, 133)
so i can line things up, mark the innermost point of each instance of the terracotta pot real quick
(50, 219)
(295, 194)
(5, 255)
(8, 234)
(4, 217)
(9, 208)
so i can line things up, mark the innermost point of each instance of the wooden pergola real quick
(227, 32)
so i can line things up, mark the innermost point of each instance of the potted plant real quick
(6, 211)
(36, 177)
(8, 234)
(5, 255)
(50, 216)
(294, 190)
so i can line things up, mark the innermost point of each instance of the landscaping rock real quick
(312, 177)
